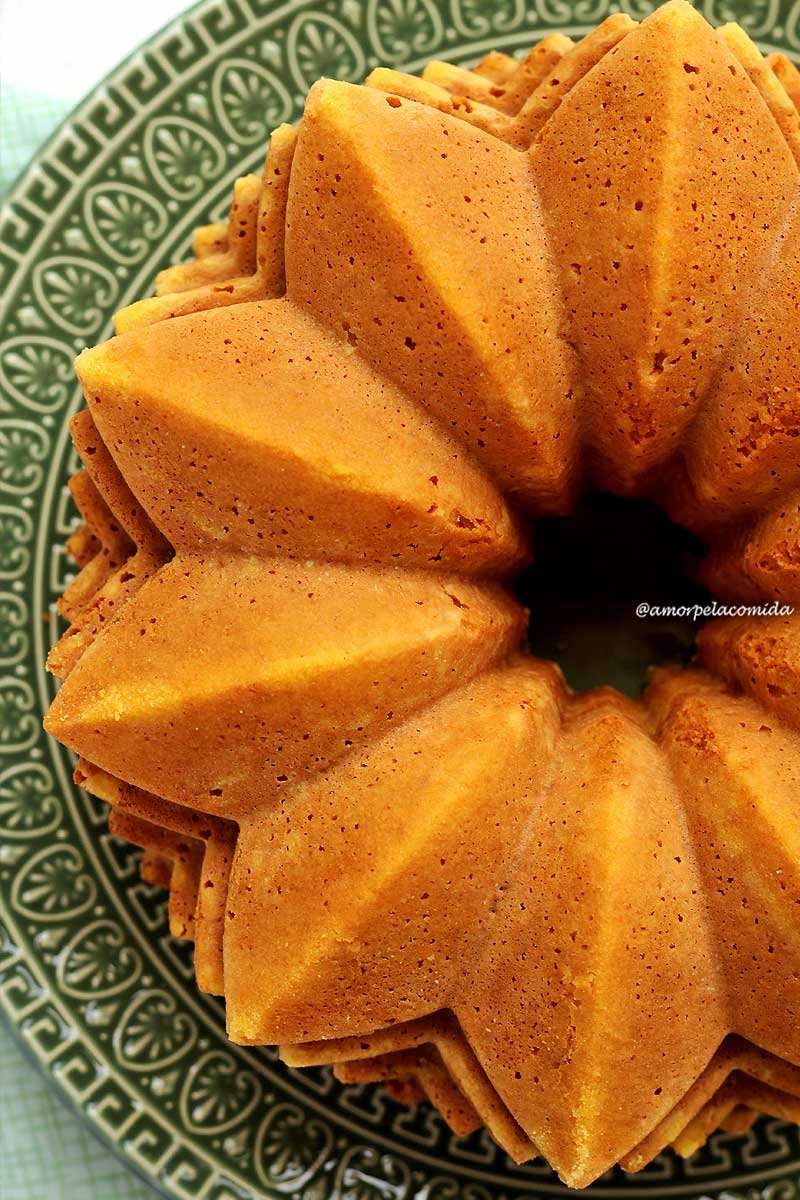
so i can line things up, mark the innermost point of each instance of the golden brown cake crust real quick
(305, 480)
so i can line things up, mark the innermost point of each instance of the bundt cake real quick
(296, 666)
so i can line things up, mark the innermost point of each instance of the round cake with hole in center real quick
(296, 666)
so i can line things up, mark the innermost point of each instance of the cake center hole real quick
(590, 573)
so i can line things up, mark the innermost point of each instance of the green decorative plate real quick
(101, 995)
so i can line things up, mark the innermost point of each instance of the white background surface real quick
(62, 49)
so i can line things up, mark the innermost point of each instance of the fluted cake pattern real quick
(294, 665)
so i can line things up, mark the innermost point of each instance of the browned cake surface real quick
(447, 307)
